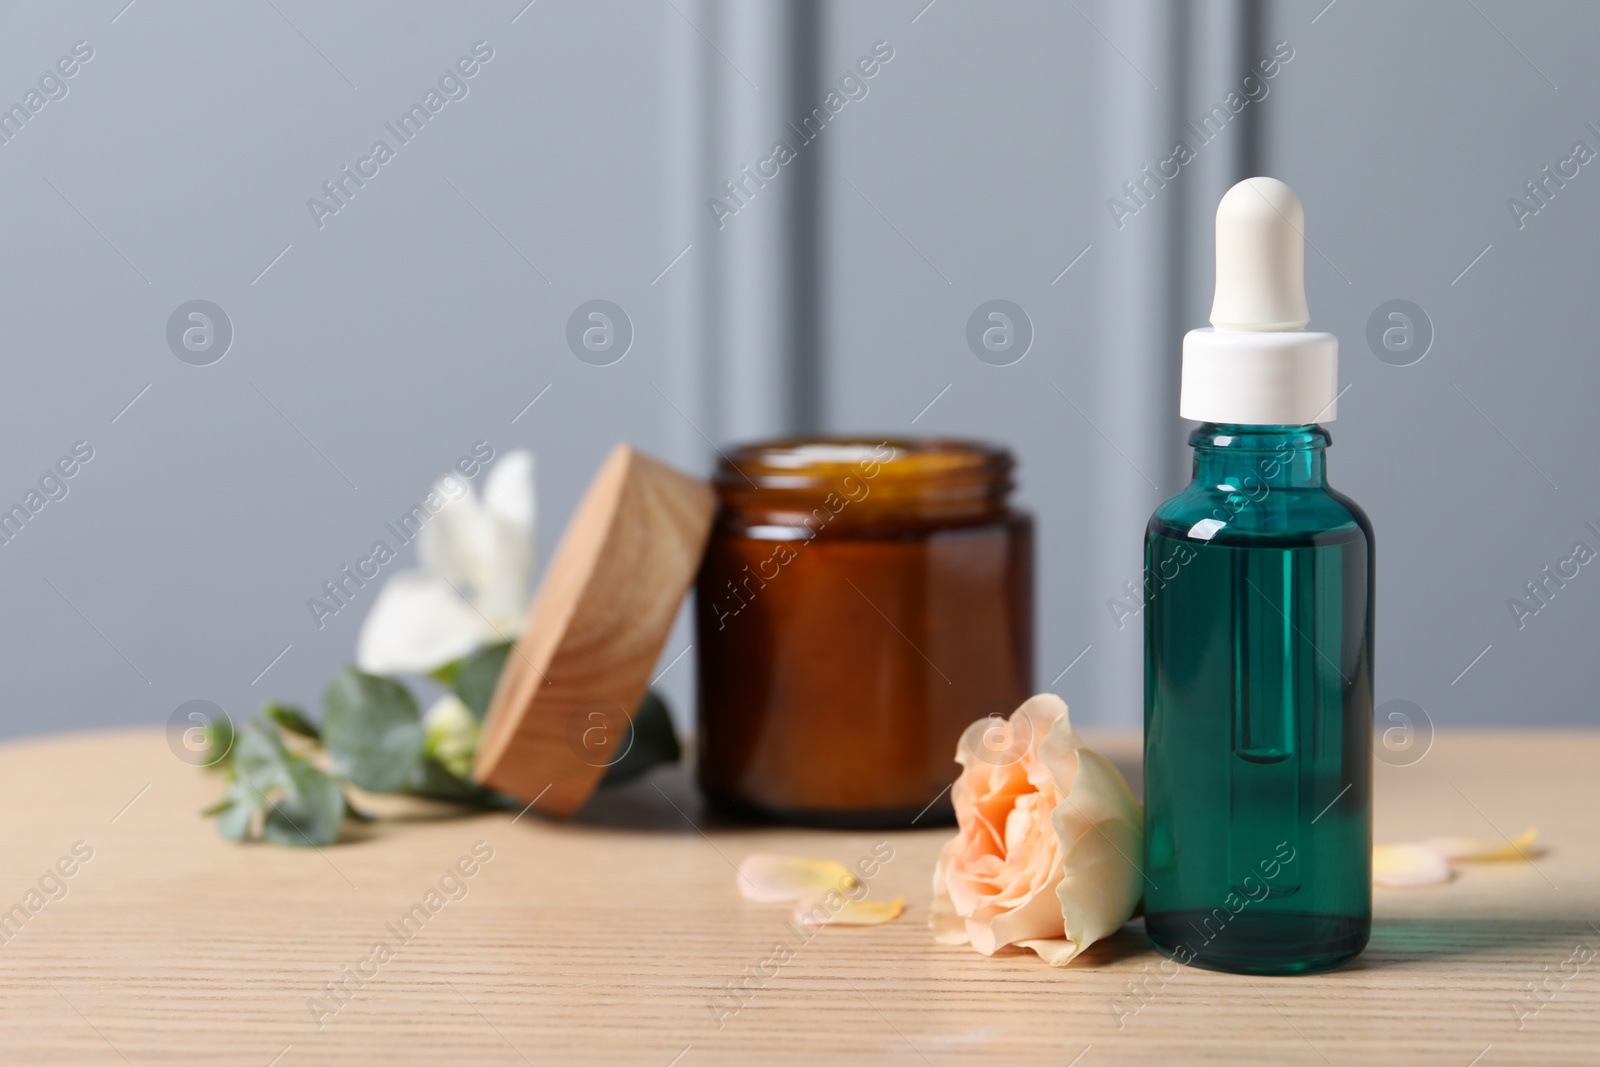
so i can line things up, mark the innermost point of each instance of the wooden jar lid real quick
(594, 631)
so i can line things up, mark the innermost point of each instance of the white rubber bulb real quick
(1261, 259)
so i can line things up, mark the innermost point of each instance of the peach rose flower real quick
(1050, 841)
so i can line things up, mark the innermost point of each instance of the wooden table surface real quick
(612, 939)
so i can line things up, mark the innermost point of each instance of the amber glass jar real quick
(861, 602)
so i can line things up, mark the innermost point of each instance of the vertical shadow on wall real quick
(1249, 157)
(806, 26)
(1216, 47)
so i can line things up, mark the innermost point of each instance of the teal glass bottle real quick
(1258, 708)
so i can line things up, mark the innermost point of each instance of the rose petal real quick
(1407, 866)
(994, 881)
(815, 911)
(1056, 951)
(1101, 828)
(1478, 848)
(776, 878)
(999, 745)
(416, 624)
(1050, 840)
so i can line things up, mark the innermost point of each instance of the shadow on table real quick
(1403, 941)
(664, 800)
(1126, 943)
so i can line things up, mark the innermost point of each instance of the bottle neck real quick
(1238, 458)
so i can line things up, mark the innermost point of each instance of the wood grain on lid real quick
(594, 631)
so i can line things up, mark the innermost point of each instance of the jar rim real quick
(813, 462)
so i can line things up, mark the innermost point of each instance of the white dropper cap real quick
(1261, 259)
(1257, 365)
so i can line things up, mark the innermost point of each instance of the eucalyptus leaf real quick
(219, 744)
(475, 677)
(237, 811)
(373, 732)
(309, 812)
(260, 762)
(234, 820)
(294, 720)
(256, 770)
(653, 742)
(217, 808)
(299, 804)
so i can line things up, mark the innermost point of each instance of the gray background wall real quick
(431, 310)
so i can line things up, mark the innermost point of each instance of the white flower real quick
(451, 734)
(474, 576)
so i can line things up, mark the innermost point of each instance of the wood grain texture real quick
(594, 631)
(609, 938)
